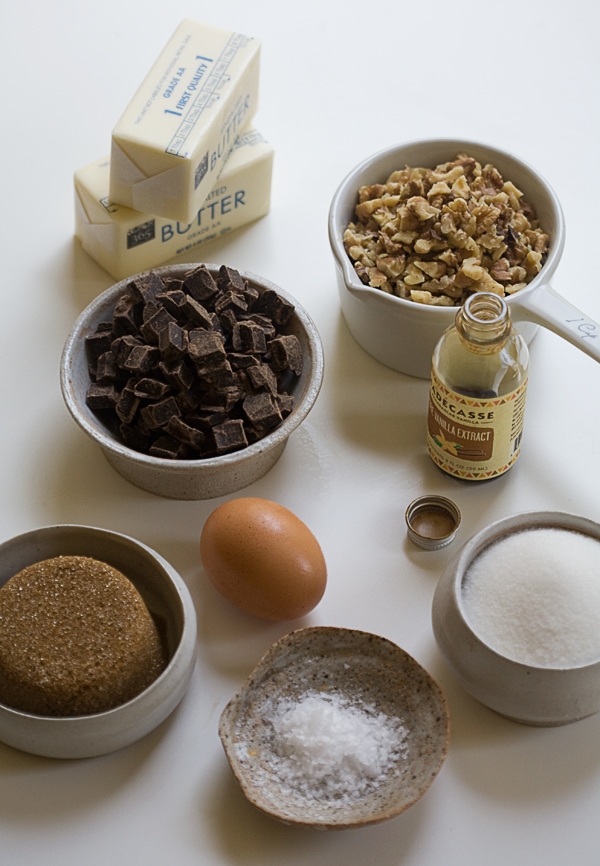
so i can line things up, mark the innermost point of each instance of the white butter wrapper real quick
(169, 146)
(124, 241)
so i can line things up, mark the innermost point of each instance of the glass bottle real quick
(478, 389)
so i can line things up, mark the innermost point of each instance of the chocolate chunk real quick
(174, 302)
(172, 342)
(127, 405)
(106, 369)
(262, 377)
(98, 342)
(241, 360)
(286, 353)
(152, 327)
(200, 284)
(141, 359)
(157, 415)
(150, 389)
(229, 436)
(276, 308)
(231, 301)
(228, 279)
(197, 315)
(101, 396)
(146, 289)
(186, 433)
(286, 403)
(127, 316)
(220, 401)
(262, 411)
(249, 337)
(168, 447)
(206, 349)
(122, 346)
(178, 374)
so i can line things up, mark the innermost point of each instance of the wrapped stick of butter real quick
(169, 146)
(125, 242)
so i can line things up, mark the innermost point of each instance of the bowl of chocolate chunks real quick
(192, 377)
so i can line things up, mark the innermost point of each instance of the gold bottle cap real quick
(432, 521)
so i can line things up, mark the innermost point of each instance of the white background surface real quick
(340, 80)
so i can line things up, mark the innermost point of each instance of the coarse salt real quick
(325, 747)
(534, 596)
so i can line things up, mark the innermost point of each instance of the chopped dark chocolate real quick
(141, 359)
(249, 337)
(262, 377)
(101, 396)
(193, 367)
(286, 353)
(157, 415)
(200, 284)
(262, 411)
(277, 309)
(168, 447)
(229, 436)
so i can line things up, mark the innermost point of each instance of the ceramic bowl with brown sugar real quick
(403, 333)
(193, 479)
(167, 599)
(335, 729)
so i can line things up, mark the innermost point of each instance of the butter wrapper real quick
(169, 146)
(124, 241)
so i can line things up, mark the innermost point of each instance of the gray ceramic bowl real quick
(188, 479)
(364, 670)
(168, 599)
(542, 696)
(402, 334)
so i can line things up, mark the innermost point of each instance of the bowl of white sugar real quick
(335, 729)
(516, 614)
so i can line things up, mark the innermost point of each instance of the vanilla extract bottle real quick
(478, 389)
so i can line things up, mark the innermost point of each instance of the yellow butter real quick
(169, 146)
(124, 241)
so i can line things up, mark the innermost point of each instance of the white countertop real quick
(339, 81)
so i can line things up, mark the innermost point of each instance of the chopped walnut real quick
(435, 236)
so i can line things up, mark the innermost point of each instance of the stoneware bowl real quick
(363, 669)
(188, 479)
(542, 696)
(167, 598)
(402, 334)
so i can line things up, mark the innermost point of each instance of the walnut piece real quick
(435, 236)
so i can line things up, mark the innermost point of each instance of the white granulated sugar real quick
(534, 596)
(324, 747)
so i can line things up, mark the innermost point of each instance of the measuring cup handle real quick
(546, 307)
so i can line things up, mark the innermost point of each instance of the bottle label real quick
(473, 437)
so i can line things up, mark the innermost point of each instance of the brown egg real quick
(263, 559)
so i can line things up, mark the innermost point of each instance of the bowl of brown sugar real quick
(191, 378)
(98, 641)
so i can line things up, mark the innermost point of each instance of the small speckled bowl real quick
(541, 696)
(363, 669)
(169, 601)
(188, 479)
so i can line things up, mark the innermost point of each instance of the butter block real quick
(124, 241)
(169, 146)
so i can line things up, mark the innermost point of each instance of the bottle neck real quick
(483, 322)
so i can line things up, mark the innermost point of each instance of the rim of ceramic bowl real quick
(93, 426)
(37, 734)
(496, 531)
(367, 171)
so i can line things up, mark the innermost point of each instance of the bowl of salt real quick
(516, 614)
(335, 729)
